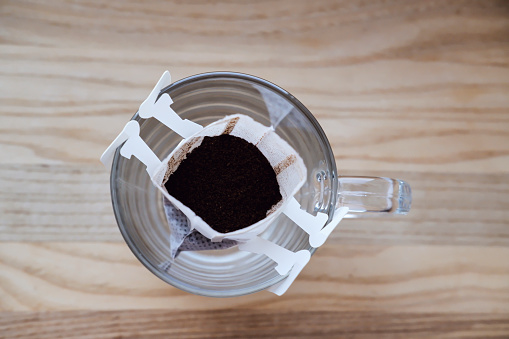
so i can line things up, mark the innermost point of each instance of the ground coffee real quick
(227, 182)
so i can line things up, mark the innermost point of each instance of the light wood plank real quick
(72, 203)
(417, 91)
(410, 89)
(417, 278)
(44, 203)
(250, 324)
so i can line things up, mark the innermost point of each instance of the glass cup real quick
(205, 98)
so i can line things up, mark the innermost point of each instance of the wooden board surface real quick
(417, 90)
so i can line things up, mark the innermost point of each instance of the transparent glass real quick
(206, 98)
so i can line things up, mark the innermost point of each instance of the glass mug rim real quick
(227, 76)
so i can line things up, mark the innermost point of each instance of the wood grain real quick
(250, 324)
(72, 203)
(102, 276)
(397, 76)
(416, 90)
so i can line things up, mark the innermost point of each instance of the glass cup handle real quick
(373, 196)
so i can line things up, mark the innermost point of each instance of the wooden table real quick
(417, 90)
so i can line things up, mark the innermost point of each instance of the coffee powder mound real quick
(227, 182)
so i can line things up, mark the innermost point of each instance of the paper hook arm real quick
(313, 225)
(133, 145)
(161, 110)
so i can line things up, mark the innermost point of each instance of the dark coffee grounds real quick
(227, 182)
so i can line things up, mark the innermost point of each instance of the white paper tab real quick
(134, 145)
(284, 258)
(107, 156)
(162, 111)
(283, 286)
(339, 214)
(310, 224)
